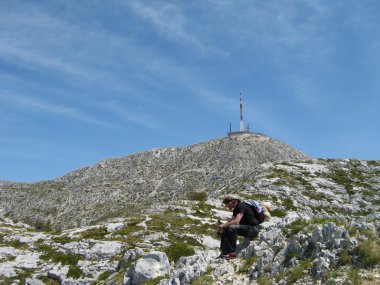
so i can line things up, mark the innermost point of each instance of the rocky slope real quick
(324, 227)
(117, 187)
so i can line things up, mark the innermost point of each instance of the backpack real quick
(260, 211)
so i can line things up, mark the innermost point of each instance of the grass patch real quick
(56, 256)
(154, 281)
(20, 278)
(18, 244)
(75, 272)
(95, 233)
(48, 281)
(369, 253)
(295, 227)
(264, 280)
(288, 204)
(278, 213)
(247, 264)
(177, 223)
(354, 276)
(203, 280)
(62, 239)
(177, 250)
(202, 210)
(345, 258)
(298, 272)
(129, 228)
(102, 277)
(353, 175)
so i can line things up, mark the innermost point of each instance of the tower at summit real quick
(243, 130)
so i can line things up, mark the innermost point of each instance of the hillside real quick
(119, 186)
(324, 227)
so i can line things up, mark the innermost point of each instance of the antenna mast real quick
(241, 114)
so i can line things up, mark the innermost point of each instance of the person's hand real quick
(219, 230)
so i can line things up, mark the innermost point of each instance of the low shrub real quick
(345, 257)
(369, 253)
(299, 271)
(295, 227)
(75, 272)
(95, 233)
(203, 280)
(177, 250)
(278, 213)
(247, 264)
(354, 276)
(198, 196)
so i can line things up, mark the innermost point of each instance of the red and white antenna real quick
(241, 114)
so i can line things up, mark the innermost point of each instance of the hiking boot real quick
(228, 255)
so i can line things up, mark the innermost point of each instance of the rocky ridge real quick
(113, 187)
(324, 230)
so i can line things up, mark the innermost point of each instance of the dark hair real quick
(228, 198)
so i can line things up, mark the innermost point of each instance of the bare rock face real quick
(152, 265)
(119, 186)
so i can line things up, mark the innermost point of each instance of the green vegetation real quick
(130, 227)
(95, 233)
(278, 213)
(317, 196)
(177, 223)
(369, 253)
(354, 276)
(56, 256)
(102, 277)
(353, 175)
(288, 204)
(198, 196)
(202, 210)
(295, 227)
(21, 277)
(291, 179)
(345, 257)
(177, 250)
(62, 239)
(248, 263)
(154, 281)
(298, 272)
(47, 280)
(75, 272)
(308, 226)
(264, 280)
(18, 244)
(203, 280)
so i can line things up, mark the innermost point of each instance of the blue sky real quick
(83, 81)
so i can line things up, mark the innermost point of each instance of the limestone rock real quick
(150, 266)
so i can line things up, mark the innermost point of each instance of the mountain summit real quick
(115, 187)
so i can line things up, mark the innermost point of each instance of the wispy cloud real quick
(35, 105)
(126, 114)
(172, 23)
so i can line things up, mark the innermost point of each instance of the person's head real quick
(230, 201)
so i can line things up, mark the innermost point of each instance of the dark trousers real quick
(229, 236)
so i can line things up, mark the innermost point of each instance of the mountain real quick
(119, 186)
(150, 218)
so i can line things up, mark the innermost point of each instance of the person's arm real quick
(234, 221)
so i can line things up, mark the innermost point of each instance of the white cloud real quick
(172, 23)
(127, 114)
(36, 105)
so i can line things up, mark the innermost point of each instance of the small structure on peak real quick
(243, 130)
